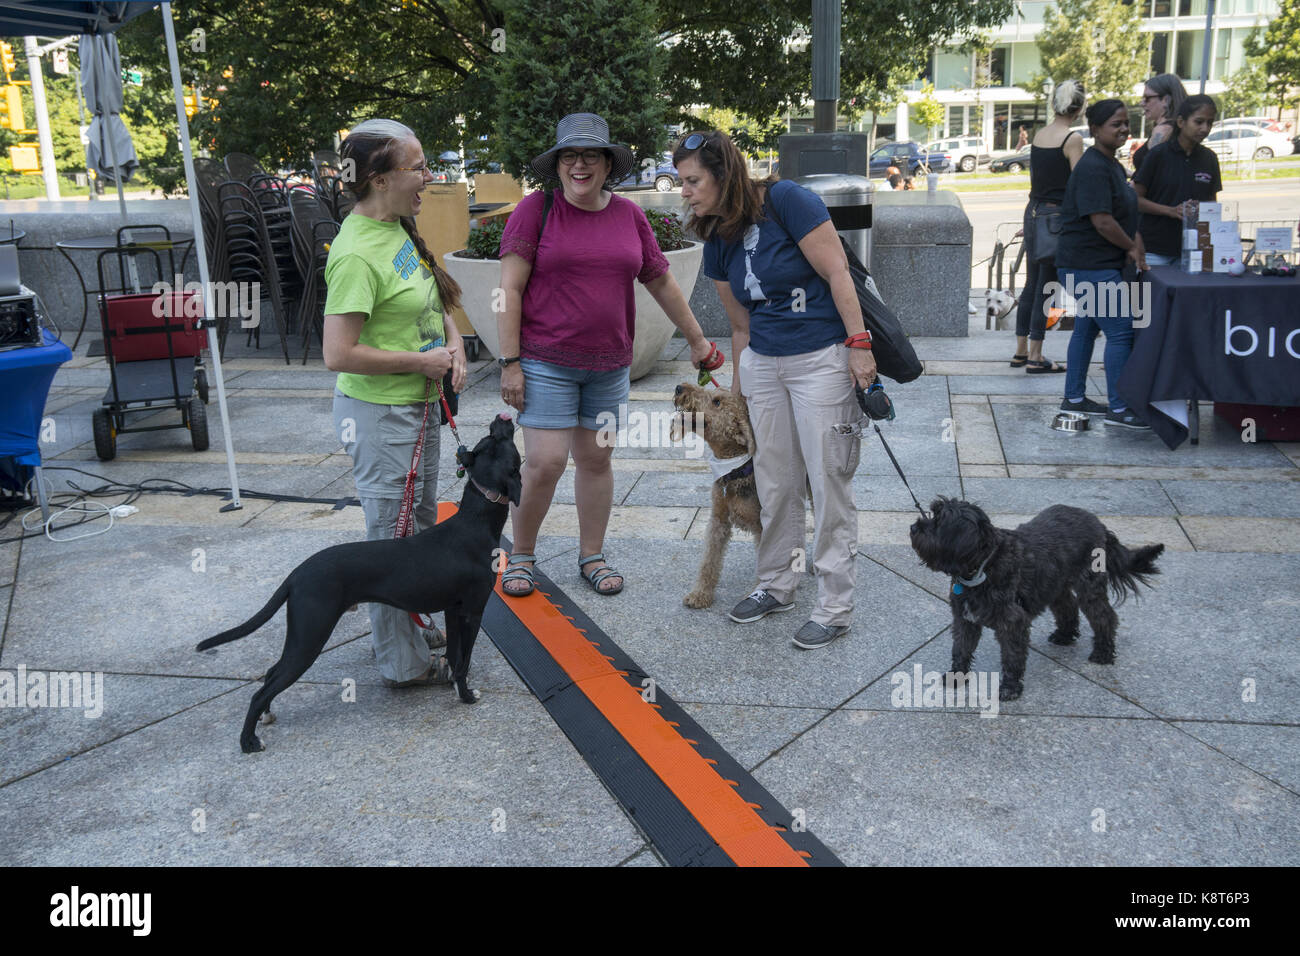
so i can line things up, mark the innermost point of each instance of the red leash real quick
(406, 515)
(712, 361)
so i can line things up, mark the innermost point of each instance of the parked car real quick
(1248, 142)
(966, 152)
(909, 158)
(1012, 163)
(1263, 122)
(662, 177)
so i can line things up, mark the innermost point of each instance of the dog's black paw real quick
(1011, 690)
(1056, 637)
(1098, 657)
(252, 745)
(467, 694)
(959, 667)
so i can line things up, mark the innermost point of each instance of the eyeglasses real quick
(1151, 96)
(589, 156)
(426, 168)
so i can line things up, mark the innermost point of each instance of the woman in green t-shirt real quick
(387, 335)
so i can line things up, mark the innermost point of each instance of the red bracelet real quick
(859, 340)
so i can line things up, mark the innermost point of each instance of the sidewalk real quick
(1182, 753)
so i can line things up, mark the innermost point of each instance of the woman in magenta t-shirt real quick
(566, 335)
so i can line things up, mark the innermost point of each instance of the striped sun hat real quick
(583, 131)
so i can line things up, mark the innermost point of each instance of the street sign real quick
(134, 77)
(59, 62)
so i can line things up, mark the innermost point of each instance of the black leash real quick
(898, 469)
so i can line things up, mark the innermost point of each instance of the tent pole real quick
(201, 250)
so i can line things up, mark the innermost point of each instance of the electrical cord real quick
(94, 509)
(75, 504)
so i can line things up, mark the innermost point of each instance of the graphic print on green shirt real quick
(374, 268)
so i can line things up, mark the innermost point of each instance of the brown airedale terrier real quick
(721, 418)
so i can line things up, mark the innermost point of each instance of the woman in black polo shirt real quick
(1176, 175)
(1099, 236)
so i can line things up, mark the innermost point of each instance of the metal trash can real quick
(848, 200)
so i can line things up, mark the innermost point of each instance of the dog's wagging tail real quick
(448, 567)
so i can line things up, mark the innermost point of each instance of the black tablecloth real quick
(1186, 353)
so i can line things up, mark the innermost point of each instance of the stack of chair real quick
(314, 228)
(249, 252)
(327, 170)
(272, 195)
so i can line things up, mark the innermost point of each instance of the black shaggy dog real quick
(448, 567)
(1064, 558)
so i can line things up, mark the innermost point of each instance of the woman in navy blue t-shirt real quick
(800, 347)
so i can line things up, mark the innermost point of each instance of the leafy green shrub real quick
(485, 239)
(668, 230)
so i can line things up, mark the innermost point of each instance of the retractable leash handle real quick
(876, 407)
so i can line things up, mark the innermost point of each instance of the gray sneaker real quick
(813, 635)
(757, 606)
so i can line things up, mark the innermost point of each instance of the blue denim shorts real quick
(559, 397)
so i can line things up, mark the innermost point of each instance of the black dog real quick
(1063, 559)
(448, 567)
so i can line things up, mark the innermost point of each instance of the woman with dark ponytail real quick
(387, 334)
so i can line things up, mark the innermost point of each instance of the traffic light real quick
(11, 108)
(7, 59)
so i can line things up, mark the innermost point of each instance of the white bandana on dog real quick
(721, 467)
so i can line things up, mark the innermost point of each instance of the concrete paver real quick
(1184, 749)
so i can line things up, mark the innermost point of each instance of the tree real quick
(1099, 42)
(1244, 92)
(878, 97)
(1279, 52)
(739, 56)
(289, 74)
(751, 136)
(929, 110)
(577, 56)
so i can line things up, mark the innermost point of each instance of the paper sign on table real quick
(1273, 239)
(1210, 212)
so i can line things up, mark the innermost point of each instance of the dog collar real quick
(727, 469)
(960, 584)
(493, 496)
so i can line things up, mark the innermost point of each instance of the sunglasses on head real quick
(696, 140)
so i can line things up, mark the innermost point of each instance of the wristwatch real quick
(503, 362)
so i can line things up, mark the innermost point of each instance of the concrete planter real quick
(479, 278)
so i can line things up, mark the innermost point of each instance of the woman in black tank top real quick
(1052, 155)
